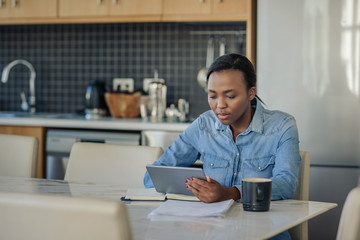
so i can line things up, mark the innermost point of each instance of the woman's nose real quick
(221, 103)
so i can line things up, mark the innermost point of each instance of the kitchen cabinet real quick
(20, 9)
(81, 8)
(207, 10)
(38, 132)
(174, 9)
(136, 8)
(110, 10)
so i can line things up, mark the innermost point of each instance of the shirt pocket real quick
(216, 167)
(259, 167)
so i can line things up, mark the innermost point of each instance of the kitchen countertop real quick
(69, 120)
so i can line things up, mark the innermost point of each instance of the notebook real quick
(169, 179)
(150, 194)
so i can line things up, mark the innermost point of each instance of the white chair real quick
(349, 225)
(300, 232)
(18, 156)
(34, 217)
(110, 164)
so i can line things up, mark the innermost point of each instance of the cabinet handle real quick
(202, 1)
(14, 3)
(115, 1)
(219, 1)
(99, 2)
(1, 3)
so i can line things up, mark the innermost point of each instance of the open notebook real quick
(152, 195)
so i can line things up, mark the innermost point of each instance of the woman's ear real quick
(252, 93)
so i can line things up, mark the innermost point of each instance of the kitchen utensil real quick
(202, 74)
(222, 47)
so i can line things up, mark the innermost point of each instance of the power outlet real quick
(124, 84)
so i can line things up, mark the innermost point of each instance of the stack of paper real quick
(192, 209)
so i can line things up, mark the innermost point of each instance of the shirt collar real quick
(257, 123)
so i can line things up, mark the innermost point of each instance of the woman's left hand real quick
(210, 190)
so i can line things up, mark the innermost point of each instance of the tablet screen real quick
(169, 179)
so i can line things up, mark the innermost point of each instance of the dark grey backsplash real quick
(68, 57)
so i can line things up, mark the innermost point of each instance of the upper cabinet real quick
(21, 9)
(206, 10)
(186, 8)
(87, 11)
(136, 7)
(82, 8)
(110, 10)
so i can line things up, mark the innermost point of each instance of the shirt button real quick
(259, 168)
(237, 154)
(212, 164)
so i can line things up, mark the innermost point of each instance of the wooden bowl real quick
(123, 105)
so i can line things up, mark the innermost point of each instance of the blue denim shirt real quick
(269, 148)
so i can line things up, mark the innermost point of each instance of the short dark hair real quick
(237, 62)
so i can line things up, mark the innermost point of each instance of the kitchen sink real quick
(39, 115)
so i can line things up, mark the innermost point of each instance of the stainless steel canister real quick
(157, 98)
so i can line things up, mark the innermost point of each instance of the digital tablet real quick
(168, 179)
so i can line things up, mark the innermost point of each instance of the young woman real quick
(237, 138)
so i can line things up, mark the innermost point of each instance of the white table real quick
(238, 224)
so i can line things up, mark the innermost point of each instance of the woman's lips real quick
(223, 116)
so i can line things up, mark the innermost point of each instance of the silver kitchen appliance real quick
(157, 98)
(308, 65)
(59, 143)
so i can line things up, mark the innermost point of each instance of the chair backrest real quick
(110, 163)
(18, 156)
(300, 232)
(349, 225)
(302, 190)
(33, 217)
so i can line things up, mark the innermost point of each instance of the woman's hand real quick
(210, 190)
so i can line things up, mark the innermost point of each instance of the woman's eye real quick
(212, 97)
(231, 97)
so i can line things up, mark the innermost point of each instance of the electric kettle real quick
(95, 105)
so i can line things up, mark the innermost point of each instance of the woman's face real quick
(228, 96)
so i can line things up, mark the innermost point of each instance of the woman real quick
(237, 138)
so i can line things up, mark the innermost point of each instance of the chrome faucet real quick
(5, 76)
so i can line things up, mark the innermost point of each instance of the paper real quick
(151, 194)
(192, 209)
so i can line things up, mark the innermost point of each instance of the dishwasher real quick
(59, 144)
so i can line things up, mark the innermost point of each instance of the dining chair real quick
(349, 225)
(110, 163)
(18, 156)
(35, 216)
(300, 232)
